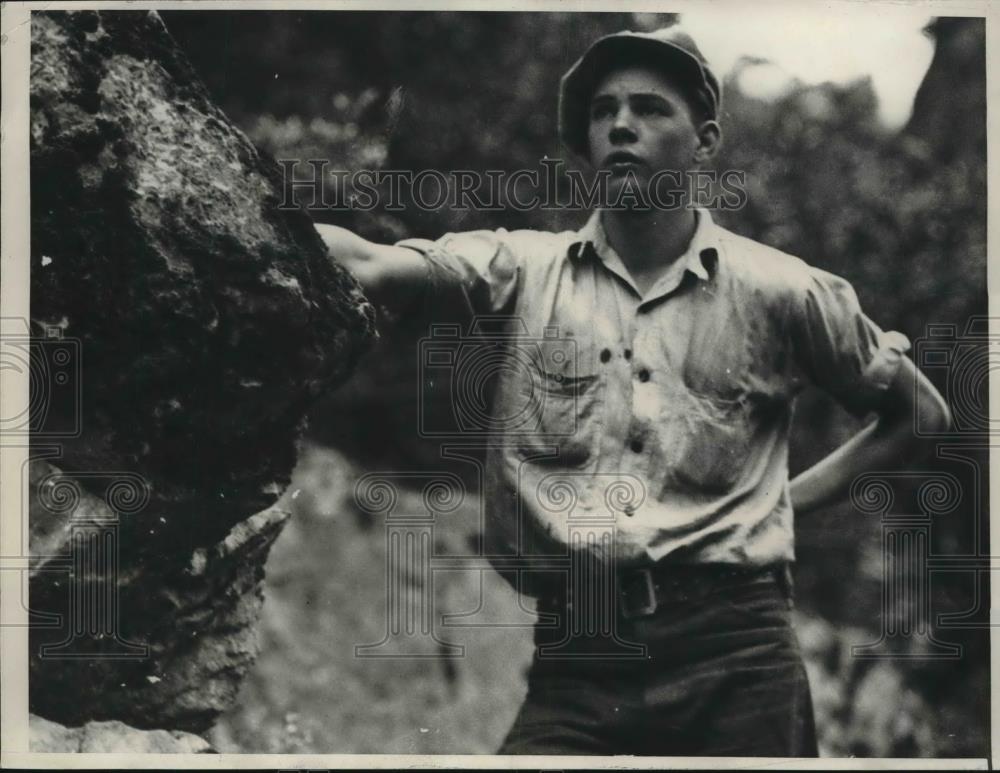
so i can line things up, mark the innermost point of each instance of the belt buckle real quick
(646, 603)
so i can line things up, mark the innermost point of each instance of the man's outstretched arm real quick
(890, 442)
(391, 276)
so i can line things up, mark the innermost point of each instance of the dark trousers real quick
(720, 675)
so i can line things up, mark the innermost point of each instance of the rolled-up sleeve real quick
(469, 274)
(839, 348)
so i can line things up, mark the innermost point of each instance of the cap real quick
(670, 49)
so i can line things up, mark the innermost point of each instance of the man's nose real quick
(623, 129)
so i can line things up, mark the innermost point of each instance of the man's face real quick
(640, 123)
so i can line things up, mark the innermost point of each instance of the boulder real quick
(206, 317)
(184, 323)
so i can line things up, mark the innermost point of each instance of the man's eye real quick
(601, 111)
(650, 109)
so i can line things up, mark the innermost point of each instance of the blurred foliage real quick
(901, 215)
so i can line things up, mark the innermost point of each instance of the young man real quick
(664, 354)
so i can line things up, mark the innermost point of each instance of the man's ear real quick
(709, 141)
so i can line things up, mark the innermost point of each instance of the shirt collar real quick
(701, 255)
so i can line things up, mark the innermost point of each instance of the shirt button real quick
(628, 354)
(636, 446)
(644, 375)
(629, 511)
(605, 355)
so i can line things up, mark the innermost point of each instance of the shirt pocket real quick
(566, 417)
(712, 443)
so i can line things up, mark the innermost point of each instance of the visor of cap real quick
(579, 81)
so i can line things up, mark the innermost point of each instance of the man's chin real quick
(628, 193)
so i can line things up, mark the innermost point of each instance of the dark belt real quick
(640, 592)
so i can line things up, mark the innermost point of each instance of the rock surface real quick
(208, 317)
(111, 737)
(205, 319)
(182, 634)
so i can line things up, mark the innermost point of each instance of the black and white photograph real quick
(557, 385)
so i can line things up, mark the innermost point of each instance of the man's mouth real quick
(621, 159)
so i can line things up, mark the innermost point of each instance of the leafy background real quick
(900, 214)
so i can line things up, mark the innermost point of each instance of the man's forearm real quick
(391, 276)
(888, 443)
(875, 447)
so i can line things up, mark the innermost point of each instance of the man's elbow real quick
(936, 417)
(917, 402)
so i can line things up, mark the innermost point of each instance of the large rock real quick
(208, 318)
(201, 321)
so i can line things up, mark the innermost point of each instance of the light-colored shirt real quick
(667, 412)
